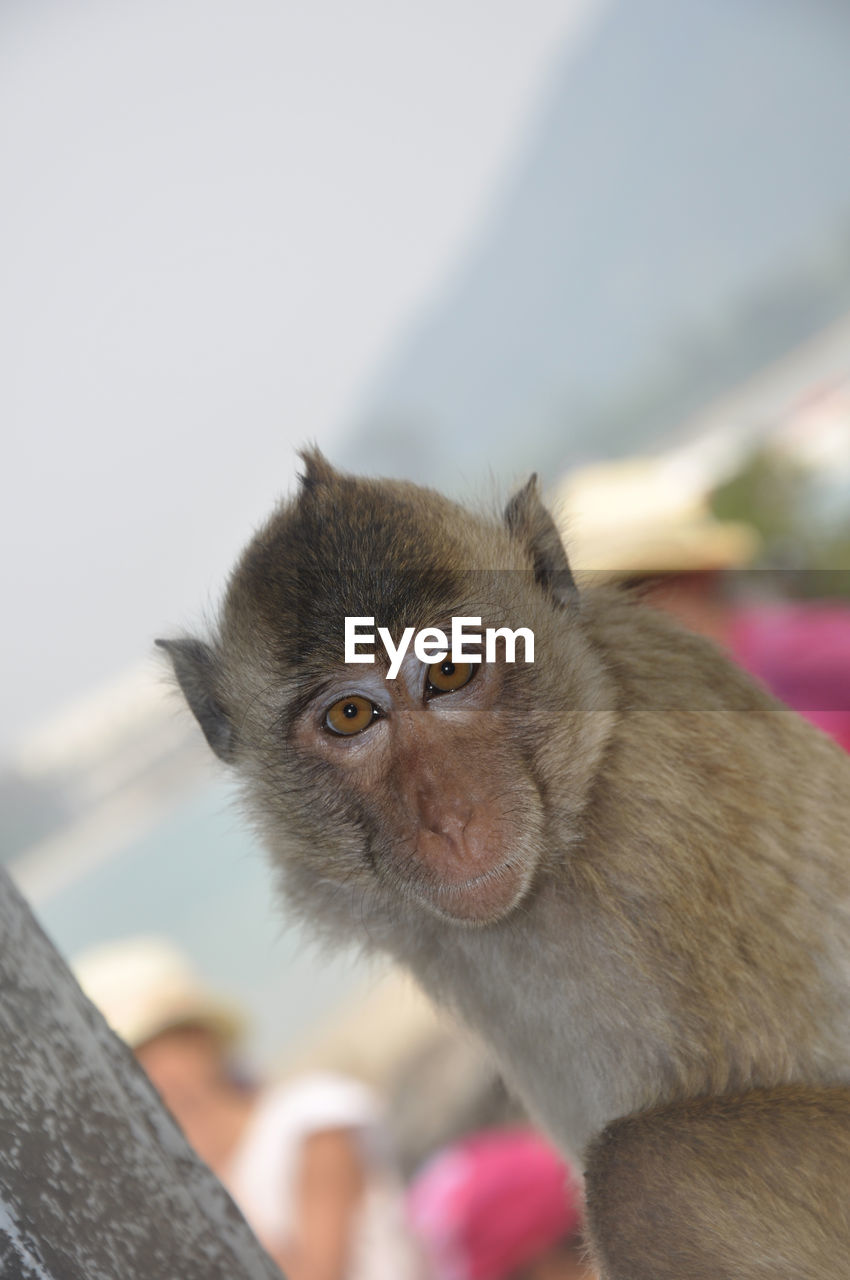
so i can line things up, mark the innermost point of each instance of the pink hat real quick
(492, 1203)
(802, 653)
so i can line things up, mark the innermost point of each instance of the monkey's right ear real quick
(194, 667)
(530, 523)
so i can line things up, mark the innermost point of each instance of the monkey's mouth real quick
(459, 879)
(480, 900)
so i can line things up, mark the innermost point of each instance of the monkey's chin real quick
(482, 899)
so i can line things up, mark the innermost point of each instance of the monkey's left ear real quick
(530, 523)
(194, 667)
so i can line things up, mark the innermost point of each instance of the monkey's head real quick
(434, 789)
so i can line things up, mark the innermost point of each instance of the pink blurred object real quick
(802, 654)
(492, 1203)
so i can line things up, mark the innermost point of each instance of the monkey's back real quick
(721, 828)
(693, 936)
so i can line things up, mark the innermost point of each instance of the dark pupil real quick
(448, 668)
(350, 710)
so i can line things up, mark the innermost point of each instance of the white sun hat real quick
(647, 515)
(144, 986)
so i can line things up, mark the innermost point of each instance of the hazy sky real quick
(215, 217)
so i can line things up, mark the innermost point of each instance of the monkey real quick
(624, 865)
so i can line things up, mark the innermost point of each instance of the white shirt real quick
(263, 1172)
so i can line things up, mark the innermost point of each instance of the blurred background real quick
(453, 242)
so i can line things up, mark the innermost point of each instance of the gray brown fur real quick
(682, 935)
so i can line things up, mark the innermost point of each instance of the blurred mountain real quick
(680, 217)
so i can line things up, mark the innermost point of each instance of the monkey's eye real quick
(446, 676)
(350, 715)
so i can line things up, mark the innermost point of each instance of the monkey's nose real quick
(447, 817)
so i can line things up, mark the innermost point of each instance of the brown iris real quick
(446, 676)
(350, 715)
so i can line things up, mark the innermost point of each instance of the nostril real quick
(444, 816)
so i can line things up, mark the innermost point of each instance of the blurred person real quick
(308, 1161)
(638, 517)
(500, 1205)
(801, 651)
(647, 521)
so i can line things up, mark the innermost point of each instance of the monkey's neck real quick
(679, 948)
(548, 995)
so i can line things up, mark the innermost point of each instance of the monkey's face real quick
(429, 769)
(417, 782)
